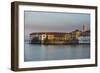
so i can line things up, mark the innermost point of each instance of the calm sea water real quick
(55, 52)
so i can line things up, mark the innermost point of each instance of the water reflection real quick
(55, 52)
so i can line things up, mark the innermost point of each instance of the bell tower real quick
(85, 28)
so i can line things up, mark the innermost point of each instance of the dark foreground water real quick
(55, 52)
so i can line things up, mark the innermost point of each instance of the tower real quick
(85, 28)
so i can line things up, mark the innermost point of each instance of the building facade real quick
(74, 37)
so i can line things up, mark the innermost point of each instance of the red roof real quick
(56, 33)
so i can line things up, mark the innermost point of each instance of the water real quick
(55, 52)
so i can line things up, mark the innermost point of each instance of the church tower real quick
(85, 28)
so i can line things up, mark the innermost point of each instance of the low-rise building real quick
(74, 37)
(84, 37)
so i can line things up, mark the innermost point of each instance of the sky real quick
(35, 21)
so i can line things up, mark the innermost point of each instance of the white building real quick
(84, 39)
(85, 36)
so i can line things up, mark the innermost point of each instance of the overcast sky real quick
(54, 22)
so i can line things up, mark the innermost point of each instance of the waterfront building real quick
(73, 37)
(50, 37)
(75, 34)
(84, 36)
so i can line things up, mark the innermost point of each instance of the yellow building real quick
(78, 34)
(67, 37)
(50, 37)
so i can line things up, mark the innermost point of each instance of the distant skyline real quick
(36, 21)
